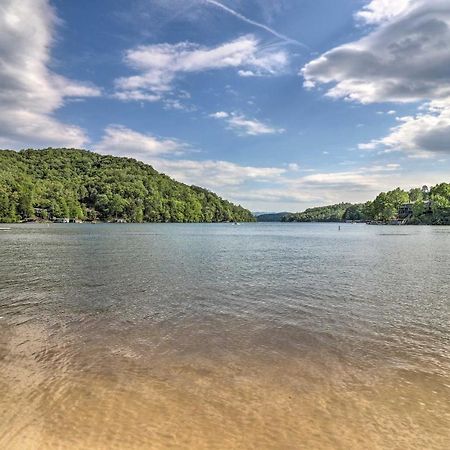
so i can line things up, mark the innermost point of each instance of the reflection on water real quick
(215, 336)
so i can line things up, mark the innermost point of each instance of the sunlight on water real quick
(213, 336)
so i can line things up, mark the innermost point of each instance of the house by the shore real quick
(406, 210)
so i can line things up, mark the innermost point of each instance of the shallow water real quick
(290, 336)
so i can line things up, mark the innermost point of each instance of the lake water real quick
(277, 336)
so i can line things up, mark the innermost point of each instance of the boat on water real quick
(4, 229)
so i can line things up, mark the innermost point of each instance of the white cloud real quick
(389, 113)
(405, 58)
(216, 174)
(219, 115)
(246, 73)
(294, 167)
(368, 145)
(178, 105)
(160, 152)
(359, 185)
(121, 141)
(29, 91)
(275, 198)
(349, 180)
(245, 126)
(159, 65)
(251, 127)
(137, 94)
(378, 11)
(421, 135)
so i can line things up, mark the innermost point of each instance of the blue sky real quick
(274, 105)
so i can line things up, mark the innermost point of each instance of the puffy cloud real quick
(161, 152)
(216, 174)
(159, 65)
(421, 135)
(364, 178)
(29, 91)
(121, 141)
(219, 115)
(245, 126)
(275, 199)
(291, 193)
(378, 11)
(405, 58)
(246, 73)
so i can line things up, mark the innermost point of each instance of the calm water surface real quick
(283, 336)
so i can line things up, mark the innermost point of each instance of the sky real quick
(277, 106)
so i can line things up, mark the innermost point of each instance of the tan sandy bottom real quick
(221, 403)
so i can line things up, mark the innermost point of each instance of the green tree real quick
(386, 205)
(415, 195)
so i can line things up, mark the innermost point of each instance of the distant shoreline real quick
(29, 222)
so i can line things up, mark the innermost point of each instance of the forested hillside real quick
(417, 206)
(332, 213)
(84, 185)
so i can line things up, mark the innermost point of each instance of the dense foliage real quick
(83, 185)
(418, 206)
(332, 213)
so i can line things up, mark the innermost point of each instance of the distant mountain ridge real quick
(271, 217)
(83, 185)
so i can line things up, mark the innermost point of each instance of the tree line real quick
(417, 206)
(78, 184)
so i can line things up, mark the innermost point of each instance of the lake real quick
(277, 336)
